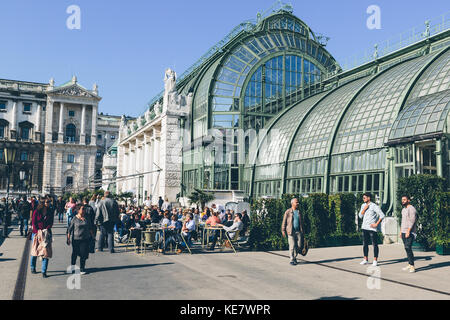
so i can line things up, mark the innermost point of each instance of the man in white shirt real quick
(372, 217)
(188, 228)
(147, 202)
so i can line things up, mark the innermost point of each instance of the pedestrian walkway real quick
(326, 273)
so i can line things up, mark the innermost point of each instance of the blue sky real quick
(125, 46)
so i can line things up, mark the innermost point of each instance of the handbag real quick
(92, 245)
(305, 248)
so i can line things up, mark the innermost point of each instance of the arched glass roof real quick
(435, 79)
(312, 138)
(274, 151)
(425, 115)
(236, 67)
(367, 123)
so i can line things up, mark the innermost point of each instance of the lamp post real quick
(10, 157)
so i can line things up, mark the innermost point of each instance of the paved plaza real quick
(326, 273)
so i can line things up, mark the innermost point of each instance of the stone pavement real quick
(326, 273)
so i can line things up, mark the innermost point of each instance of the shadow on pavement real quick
(94, 270)
(434, 266)
(337, 298)
(7, 259)
(333, 260)
(405, 260)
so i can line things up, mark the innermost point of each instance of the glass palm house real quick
(273, 113)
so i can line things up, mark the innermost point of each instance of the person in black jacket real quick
(245, 221)
(60, 210)
(24, 211)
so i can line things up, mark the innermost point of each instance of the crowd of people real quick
(95, 224)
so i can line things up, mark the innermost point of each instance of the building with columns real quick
(149, 150)
(55, 132)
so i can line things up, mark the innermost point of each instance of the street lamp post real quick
(22, 179)
(10, 157)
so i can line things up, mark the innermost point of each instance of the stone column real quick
(49, 122)
(13, 129)
(146, 166)
(61, 122)
(38, 118)
(94, 126)
(83, 125)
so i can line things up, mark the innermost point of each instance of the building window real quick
(113, 137)
(24, 156)
(27, 107)
(25, 133)
(2, 131)
(71, 158)
(99, 137)
(99, 155)
(71, 113)
(2, 105)
(69, 181)
(1, 154)
(71, 131)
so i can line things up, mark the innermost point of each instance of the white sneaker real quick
(375, 263)
(364, 262)
(407, 268)
(412, 269)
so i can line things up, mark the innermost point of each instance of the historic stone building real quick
(55, 132)
(149, 151)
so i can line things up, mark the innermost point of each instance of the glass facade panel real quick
(314, 134)
(381, 97)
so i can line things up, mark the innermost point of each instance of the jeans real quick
(408, 242)
(370, 236)
(187, 237)
(296, 243)
(24, 223)
(34, 259)
(61, 217)
(106, 232)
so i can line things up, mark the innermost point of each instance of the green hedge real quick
(342, 213)
(423, 190)
(316, 219)
(442, 219)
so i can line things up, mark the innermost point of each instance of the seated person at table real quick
(237, 226)
(172, 235)
(135, 228)
(229, 220)
(213, 220)
(186, 231)
(156, 218)
(165, 221)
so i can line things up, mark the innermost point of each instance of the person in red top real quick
(42, 219)
(213, 220)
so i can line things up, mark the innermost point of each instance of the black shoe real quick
(21, 234)
(33, 271)
(292, 263)
(44, 275)
(112, 251)
(295, 262)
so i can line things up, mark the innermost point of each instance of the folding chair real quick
(234, 241)
(185, 242)
(148, 239)
(131, 240)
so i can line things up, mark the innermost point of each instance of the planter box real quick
(442, 250)
(418, 247)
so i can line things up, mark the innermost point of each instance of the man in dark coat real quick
(106, 217)
(24, 212)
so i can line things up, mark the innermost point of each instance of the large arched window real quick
(279, 82)
(71, 132)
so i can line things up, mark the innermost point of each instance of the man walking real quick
(372, 217)
(60, 205)
(106, 217)
(24, 210)
(408, 231)
(293, 226)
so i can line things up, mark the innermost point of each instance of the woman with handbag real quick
(80, 234)
(42, 222)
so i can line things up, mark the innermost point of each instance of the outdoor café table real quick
(206, 233)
